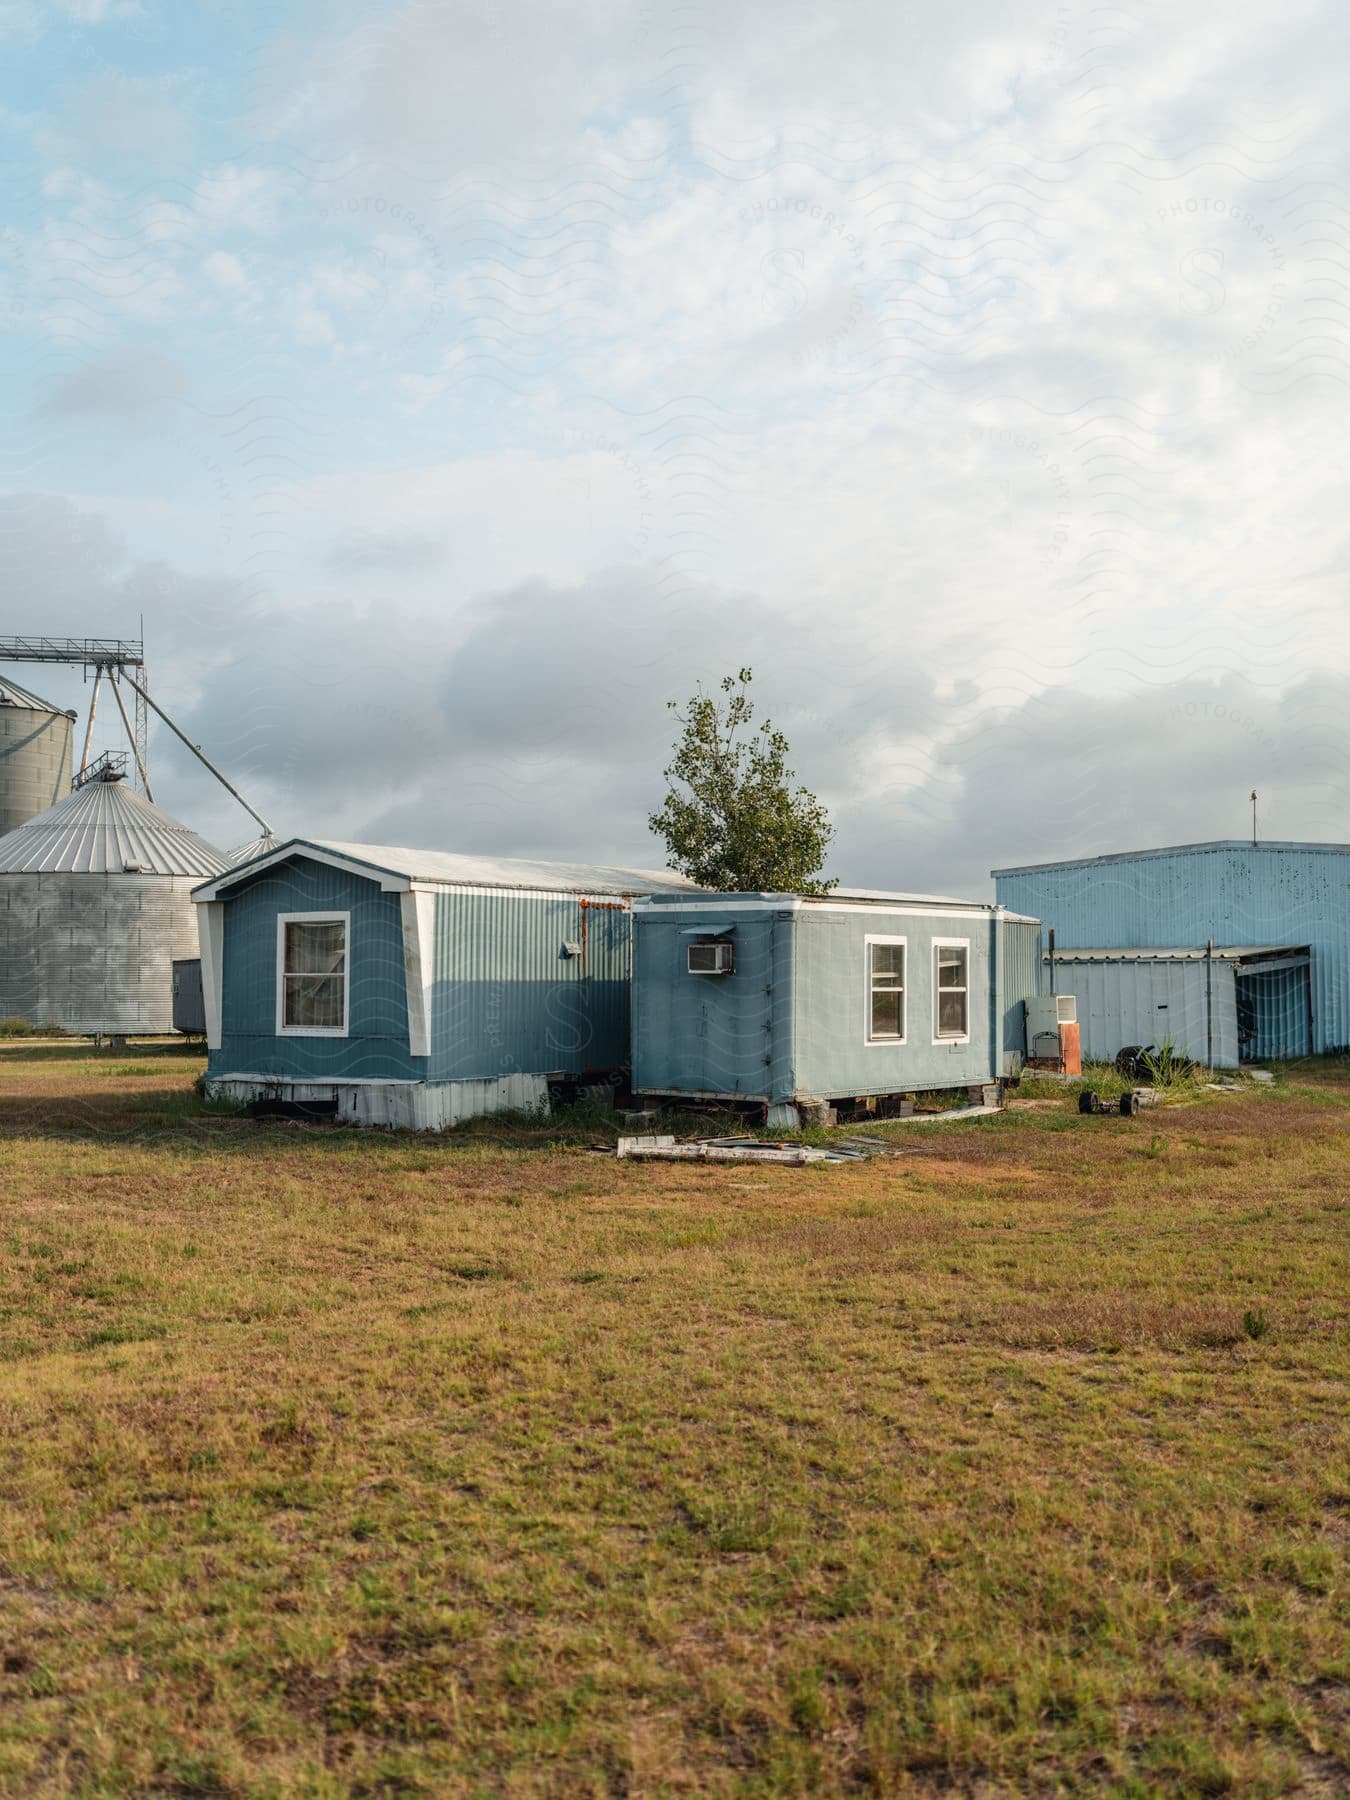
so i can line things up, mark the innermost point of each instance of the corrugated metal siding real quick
(1144, 1002)
(833, 1058)
(1279, 1002)
(791, 1021)
(507, 1000)
(504, 998)
(1022, 978)
(713, 1034)
(35, 756)
(94, 952)
(377, 1044)
(1285, 894)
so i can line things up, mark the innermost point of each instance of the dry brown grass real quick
(343, 1465)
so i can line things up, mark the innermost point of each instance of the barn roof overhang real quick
(1204, 849)
(1254, 956)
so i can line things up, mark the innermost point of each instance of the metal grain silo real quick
(262, 845)
(95, 905)
(35, 742)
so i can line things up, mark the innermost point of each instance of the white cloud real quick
(234, 198)
(26, 20)
(121, 385)
(226, 271)
(979, 380)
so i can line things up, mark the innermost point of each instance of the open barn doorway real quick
(1274, 1007)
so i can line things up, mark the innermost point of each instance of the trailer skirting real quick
(397, 1105)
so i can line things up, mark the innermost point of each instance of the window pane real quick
(314, 1001)
(315, 949)
(886, 1013)
(951, 968)
(952, 1014)
(888, 959)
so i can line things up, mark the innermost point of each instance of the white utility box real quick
(1045, 1014)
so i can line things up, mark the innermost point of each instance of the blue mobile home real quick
(787, 999)
(410, 987)
(1279, 912)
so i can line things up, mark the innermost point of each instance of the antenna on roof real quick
(1253, 818)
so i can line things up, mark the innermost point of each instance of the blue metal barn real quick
(410, 987)
(1286, 904)
(785, 998)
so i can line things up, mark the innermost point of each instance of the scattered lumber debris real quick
(667, 1148)
(986, 1111)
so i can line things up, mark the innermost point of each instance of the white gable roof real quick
(398, 868)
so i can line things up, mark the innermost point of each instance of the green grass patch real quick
(340, 1464)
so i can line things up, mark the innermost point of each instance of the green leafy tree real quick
(732, 819)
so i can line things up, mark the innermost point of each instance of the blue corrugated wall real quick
(377, 1043)
(1022, 978)
(714, 1034)
(1120, 1003)
(505, 996)
(791, 1021)
(833, 1054)
(1280, 1005)
(508, 1000)
(1234, 893)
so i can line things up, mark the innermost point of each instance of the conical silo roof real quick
(103, 828)
(258, 846)
(11, 694)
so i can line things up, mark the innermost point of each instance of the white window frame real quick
(891, 1043)
(950, 1037)
(314, 918)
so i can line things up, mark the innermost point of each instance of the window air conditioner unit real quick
(710, 959)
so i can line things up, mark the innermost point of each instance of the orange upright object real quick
(1070, 1050)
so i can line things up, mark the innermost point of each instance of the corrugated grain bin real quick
(95, 905)
(35, 754)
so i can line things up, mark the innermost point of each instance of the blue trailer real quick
(791, 1000)
(411, 987)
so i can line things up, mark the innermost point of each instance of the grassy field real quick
(333, 1464)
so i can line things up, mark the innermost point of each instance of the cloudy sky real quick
(449, 384)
